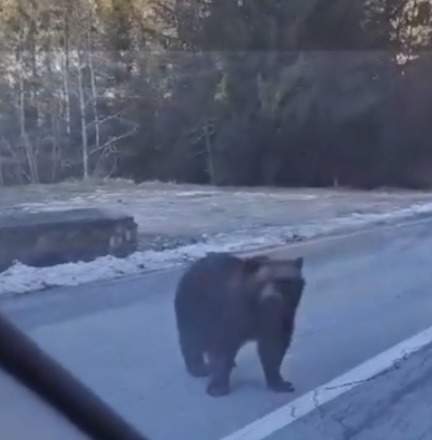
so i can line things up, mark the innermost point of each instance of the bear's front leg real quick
(221, 364)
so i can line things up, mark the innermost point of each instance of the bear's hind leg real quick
(221, 364)
(193, 355)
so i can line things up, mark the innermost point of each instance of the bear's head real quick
(281, 276)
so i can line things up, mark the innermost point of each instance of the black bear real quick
(223, 301)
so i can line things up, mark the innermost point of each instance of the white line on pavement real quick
(300, 407)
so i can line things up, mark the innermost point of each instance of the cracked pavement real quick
(394, 405)
(365, 293)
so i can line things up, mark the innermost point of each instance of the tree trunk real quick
(210, 157)
(66, 73)
(83, 118)
(28, 148)
(52, 106)
(55, 149)
(93, 91)
(36, 121)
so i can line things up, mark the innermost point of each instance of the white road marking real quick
(282, 417)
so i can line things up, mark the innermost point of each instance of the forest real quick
(225, 92)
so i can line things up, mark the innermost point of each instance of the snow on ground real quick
(191, 221)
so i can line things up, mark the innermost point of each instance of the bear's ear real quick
(259, 269)
(253, 264)
(299, 263)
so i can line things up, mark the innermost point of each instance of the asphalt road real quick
(365, 292)
(23, 415)
(395, 405)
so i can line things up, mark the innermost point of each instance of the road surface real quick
(23, 415)
(365, 292)
(396, 405)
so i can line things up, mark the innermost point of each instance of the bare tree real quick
(25, 141)
(83, 117)
(66, 67)
(94, 92)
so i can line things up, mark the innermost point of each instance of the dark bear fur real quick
(223, 301)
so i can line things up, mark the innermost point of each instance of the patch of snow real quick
(21, 278)
(281, 196)
(195, 193)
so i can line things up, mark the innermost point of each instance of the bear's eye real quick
(288, 285)
(283, 284)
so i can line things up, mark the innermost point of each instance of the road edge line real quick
(284, 416)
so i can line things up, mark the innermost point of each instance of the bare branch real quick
(101, 121)
(114, 140)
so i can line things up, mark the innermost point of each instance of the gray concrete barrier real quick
(49, 238)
